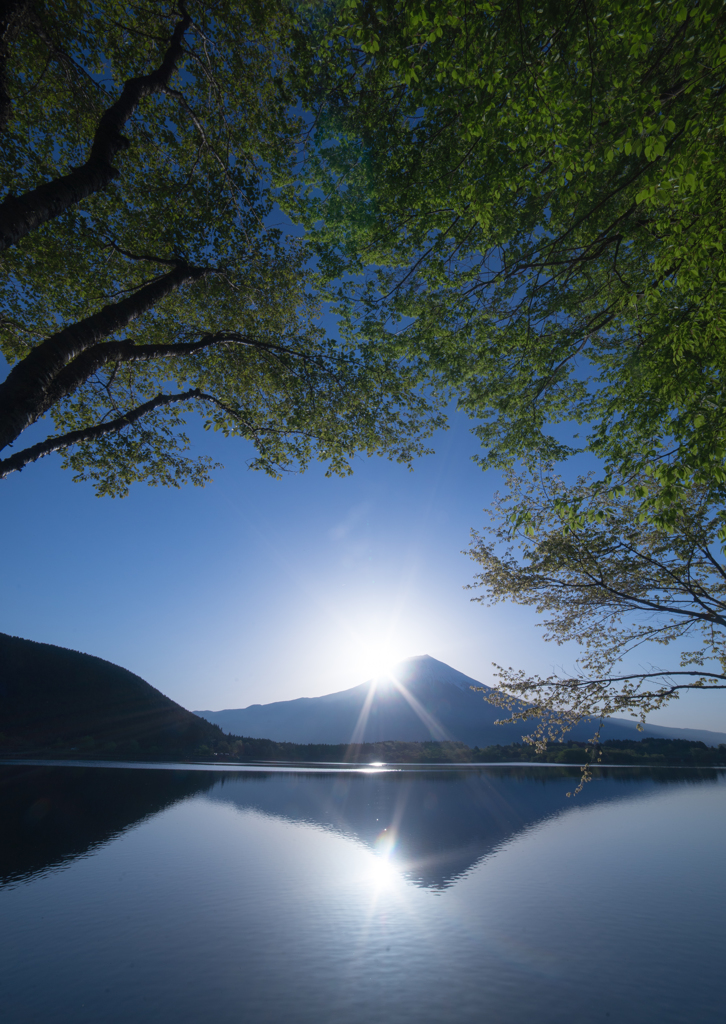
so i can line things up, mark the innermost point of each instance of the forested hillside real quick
(56, 700)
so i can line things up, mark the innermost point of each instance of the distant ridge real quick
(429, 700)
(52, 698)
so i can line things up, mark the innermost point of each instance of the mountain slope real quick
(55, 698)
(426, 699)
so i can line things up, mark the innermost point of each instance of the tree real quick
(142, 277)
(532, 195)
(610, 580)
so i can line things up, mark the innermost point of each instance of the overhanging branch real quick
(54, 444)
(19, 215)
(652, 675)
(575, 684)
(27, 392)
(76, 373)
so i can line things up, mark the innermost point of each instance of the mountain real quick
(54, 699)
(422, 699)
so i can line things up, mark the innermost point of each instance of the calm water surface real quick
(140, 895)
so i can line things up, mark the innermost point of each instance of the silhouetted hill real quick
(422, 700)
(56, 700)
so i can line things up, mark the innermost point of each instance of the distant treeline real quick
(222, 748)
(650, 752)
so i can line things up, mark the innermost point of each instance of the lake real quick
(188, 895)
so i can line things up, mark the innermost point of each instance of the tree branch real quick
(633, 601)
(91, 360)
(53, 444)
(26, 393)
(647, 675)
(20, 215)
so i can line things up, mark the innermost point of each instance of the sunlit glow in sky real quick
(373, 642)
(376, 656)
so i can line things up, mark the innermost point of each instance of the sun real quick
(376, 657)
(370, 640)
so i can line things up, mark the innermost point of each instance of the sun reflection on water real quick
(383, 874)
(383, 870)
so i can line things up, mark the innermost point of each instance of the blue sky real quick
(253, 590)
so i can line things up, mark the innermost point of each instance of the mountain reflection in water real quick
(477, 896)
(432, 826)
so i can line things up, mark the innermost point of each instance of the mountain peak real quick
(419, 699)
(422, 668)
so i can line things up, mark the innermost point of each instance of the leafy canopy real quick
(143, 277)
(532, 196)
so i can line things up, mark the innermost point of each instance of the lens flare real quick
(385, 843)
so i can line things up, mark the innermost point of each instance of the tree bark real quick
(53, 444)
(28, 391)
(76, 373)
(20, 215)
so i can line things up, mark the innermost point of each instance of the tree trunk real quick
(28, 391)
(55, 444)
(20, 215)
